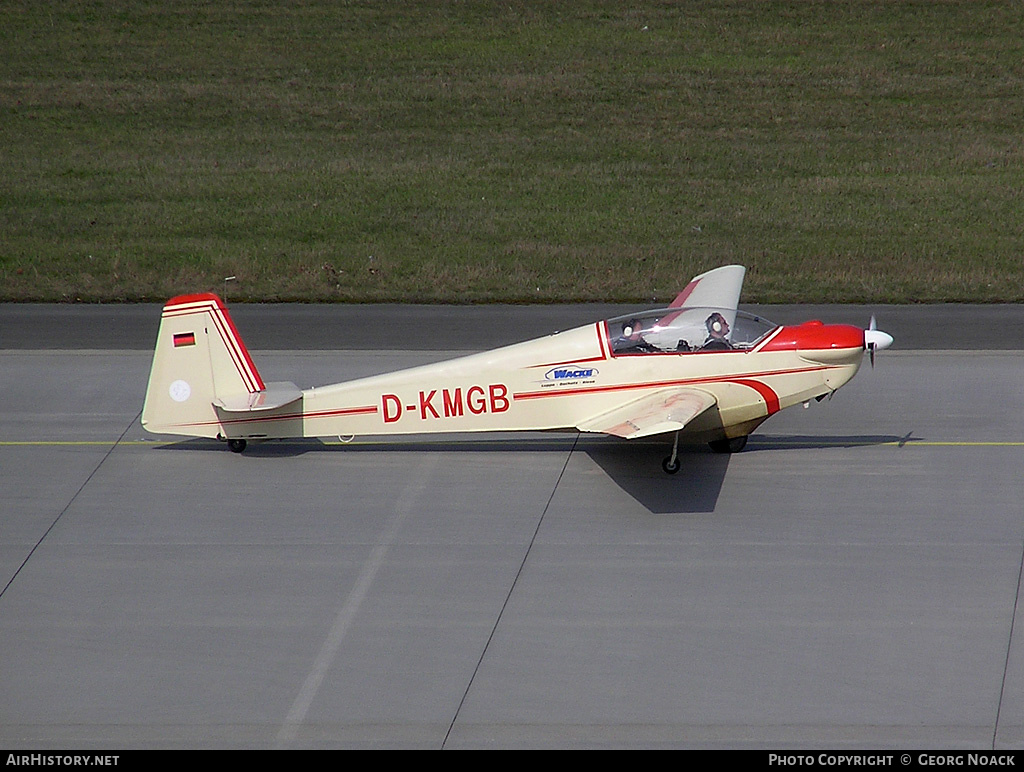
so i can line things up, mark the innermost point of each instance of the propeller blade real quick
(875, 339)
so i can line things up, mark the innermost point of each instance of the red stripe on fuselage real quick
(768, 394)
(742, 378)
(602, 338)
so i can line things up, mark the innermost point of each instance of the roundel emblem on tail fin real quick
(180, 391)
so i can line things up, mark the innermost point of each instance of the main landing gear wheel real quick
(236, 446)
(671, 463)
(732, 445)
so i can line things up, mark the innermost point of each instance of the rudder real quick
(199, 358)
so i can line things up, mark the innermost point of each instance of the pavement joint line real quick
(343, 619)
(511, 589)
(71, 501)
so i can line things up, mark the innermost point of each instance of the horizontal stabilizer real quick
(274, 395)
(668, 410)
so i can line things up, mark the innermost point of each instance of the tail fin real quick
(199, 359)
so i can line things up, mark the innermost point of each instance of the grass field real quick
(513, 151)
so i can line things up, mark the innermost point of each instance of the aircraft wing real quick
(667, 410)
(719, 288)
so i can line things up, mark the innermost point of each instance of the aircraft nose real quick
(821, 343)
(829, 343)
(876, 339)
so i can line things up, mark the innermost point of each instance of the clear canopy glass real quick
(686, 330)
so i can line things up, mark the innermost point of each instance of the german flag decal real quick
(184, 339)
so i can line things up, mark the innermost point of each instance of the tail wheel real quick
(670, 464)
(731, 445)
(236, 446)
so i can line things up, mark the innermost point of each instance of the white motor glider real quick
(700, 369)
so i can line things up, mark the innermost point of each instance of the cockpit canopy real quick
(680, 330)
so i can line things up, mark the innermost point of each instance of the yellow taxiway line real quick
(774, 440)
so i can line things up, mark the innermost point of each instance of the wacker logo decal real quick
(569, 373)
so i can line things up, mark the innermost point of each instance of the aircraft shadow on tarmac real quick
(298, 447)
(762, 442)
(635, 467)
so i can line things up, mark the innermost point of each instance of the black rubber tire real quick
(236, 446)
